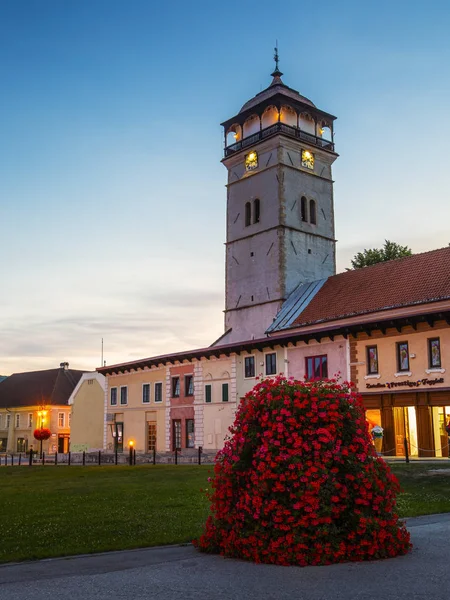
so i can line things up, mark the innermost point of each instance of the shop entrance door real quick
(405, 426)
(441, 416)
(63, 443)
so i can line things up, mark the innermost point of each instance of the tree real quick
(390, 251)
(299, 481)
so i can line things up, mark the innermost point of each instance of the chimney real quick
(64, 365)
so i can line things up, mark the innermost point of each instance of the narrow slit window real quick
(256, 210)
(248, 214)
(304, 209)
(312, 212)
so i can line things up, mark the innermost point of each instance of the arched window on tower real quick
(248, 214)
(312, 212)
(304, 209)
(256, 210)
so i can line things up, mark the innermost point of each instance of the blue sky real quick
(112, 197)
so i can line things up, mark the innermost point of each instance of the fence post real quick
(84, 458)
(176, 456)
(200, 455)
(20, 458)
(405, 443)
(68, 459)
(56, 458)
(31, 458)
(134, 456)
(99, 457)
(154, 455)
(130, 458)
(116, 459)
(12, 459)
(43, 458)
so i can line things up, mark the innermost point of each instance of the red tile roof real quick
(417, 279)
(49, 387)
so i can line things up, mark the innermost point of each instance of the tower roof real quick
(276, 87)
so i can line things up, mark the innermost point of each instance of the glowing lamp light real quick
(307, 154)
(235, 135)
(321, 131)
(252, 156)
(131, 443)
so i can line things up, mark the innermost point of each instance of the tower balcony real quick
(276, 129)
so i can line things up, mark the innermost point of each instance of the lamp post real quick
(42, 413)
(131, 444)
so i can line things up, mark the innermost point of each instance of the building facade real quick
(37, 400)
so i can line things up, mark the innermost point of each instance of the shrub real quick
(299, 481)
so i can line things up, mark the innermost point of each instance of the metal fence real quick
(101, 458)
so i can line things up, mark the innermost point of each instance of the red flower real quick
(42, 434)
(289, 491)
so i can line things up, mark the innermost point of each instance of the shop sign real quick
(411, 384)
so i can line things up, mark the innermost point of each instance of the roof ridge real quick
(386, 262)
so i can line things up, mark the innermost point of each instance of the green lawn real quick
(57, 511)
(48, 511)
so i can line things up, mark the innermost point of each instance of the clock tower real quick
(279, 150)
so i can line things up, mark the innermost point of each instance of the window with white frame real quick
(124, 395)
(113, 396)
(7, 421)
(69, 419)
(17, 421)
(146, 393)
(30, 419)
(158, 391)
(61, 419)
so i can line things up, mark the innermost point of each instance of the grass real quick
(425, 488)
(48, 511)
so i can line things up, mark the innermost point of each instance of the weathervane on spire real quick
(276, 58)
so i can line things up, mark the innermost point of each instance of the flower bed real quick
(299, 481)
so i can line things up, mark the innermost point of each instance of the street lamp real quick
(42, 413)
(131, 444)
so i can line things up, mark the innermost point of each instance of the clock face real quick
(308, 159)
(251, 161)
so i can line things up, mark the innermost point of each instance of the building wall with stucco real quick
(135, 414)
(88, 411)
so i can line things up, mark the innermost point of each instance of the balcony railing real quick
(275, 129)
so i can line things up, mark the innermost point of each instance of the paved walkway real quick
(168, 573)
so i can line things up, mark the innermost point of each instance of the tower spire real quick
(277, 73)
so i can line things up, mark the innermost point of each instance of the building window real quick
(317, 367)
(30, 419)
(208, 395)
(90, 381)
(146, 393)
(124, 395)
(304, 209)
(60, 419)
(176, 434)
(249, 366)
(189, 385)
(151, 436)
(312, 212)
(22, 444)
(113, 396)
(434, 353)
(403, 356)
(224, 392)
(190, 440)
(175, 387)
(69, 419)
(158, 392)
(17, 421)
(248, 214)
(271, 363)
(372, 360)
(256, 210)
(7, 421)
